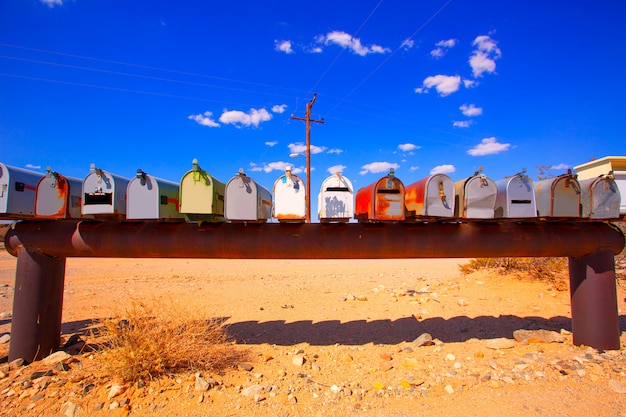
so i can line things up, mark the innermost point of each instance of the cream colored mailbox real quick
(18, 189)
(58, 197)
(475, 197)
(335, 200)
(516, 197)
(201, 195)
(289, 198)
(151, 198)
(246, 201)
(104, 193)
(613, 165)
(558, 197)
(432, 196)
(600, 198)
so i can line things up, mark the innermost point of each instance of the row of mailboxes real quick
(200, 197)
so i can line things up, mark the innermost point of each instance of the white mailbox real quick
(475, 197)
(246, 201)
(289, 198)
(558, 197)
(151, 198)
(18, 189)
(608, 165)
(516, 197)
(336, 200)
(432, 196)
(104, 193)
(600, 198)
(58, 197)
(201, 195)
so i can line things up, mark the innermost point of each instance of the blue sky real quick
(420, 86)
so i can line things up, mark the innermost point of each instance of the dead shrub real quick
(549, 269)
(148, 341)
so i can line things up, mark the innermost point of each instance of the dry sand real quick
(353, 322)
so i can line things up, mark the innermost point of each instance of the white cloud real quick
(376, 167)
(253, 118)
(284, 46)
(437, 53)
(488, 146)
(469, 83)
(444, 84)
(271, 144)
(204, 119)
(335, 150)
(484, 58)
(275, 166)
(470, 110)
(33, 166)
(279, 108)
(407, 44)
(408, 147)
(300, 148)
(345, 40)
(560, 166)
(449, 43)
(442, 48)
(414, 168)
(442, 169)
(52, 3)
(335, 169)
(461, 123)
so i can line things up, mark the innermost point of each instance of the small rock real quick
(16, 363)
(246, 367)
(5, 338)
(253, 391)
(335, 389)
(55, 358)
(88, 387)
(315, 366)
(204, 384)
(116, 390)
(70, 409)
(425, 339)
(500, 343)
(449, 389)
(298, 360)
(98, 407)
(37, 397)
(450, 357)
(538, 336)
(617, 386)
(385, 366)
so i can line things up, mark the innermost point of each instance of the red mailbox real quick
(381, 201)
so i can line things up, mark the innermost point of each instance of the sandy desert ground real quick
(330, 338)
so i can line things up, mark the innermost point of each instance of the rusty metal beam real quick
(67, 238)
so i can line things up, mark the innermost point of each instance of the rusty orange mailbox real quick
(58, 197)
(430, 197)
(381, 201)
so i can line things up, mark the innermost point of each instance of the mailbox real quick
(430, 197)
(289, 198)
(18, 189)
(613, 165)
(58, 197)
(558, 196)
(475, 197)
(336, 200)
(104, 193)
(201, 195)
(515, 198)
(600, 198)
(151, 198)
(246, 201)
(381, 201)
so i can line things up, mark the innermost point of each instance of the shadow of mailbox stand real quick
(41, 248)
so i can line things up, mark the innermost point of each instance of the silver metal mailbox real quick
(475, 197)
(151, 198)
(429, 197)
(201, 195)
(18, 189)
(600, 198)
(558, 197)
(104, 193)
(335, 200)
(516, 197)
(246, 201)
(58, 196)
(289, 198)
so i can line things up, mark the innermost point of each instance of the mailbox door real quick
(620, 180)
(58, 197)
(143, 198)
(479, 198)
(389, 200)
(104, 193)
(241, 199)
(18, 189)
(289, 198)
(600, 198)
(196, 193)
(565, 197)
(521, 198)
(336, 199)
(439, 196)
(364, 203)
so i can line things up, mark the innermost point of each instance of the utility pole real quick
(308, 121)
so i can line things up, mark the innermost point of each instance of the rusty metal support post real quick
(595, 320)
(37, 305)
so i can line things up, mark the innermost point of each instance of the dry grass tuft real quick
(148, 341)
(552, 270)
